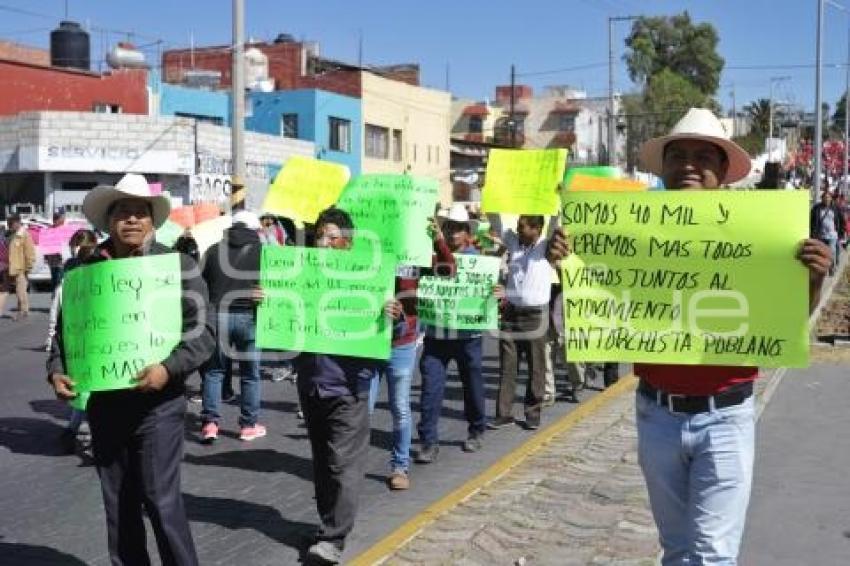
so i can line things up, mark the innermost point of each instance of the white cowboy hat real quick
(457, 213)
(97, 203)
(698, 124)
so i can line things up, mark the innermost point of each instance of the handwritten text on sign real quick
(706, 277)
(324, 301)
(118, 317)
(465, 301)
(393, 210)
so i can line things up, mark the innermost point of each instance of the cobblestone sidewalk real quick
(579, 500)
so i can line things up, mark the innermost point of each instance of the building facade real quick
(53, 159)
(333, 122)
(27, 87)
(406, 130)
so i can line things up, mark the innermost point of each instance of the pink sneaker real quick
(249, 433)
(209, 433)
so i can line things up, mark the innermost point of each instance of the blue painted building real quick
(332, 121)
(175, 100)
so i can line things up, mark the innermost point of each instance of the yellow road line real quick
(390, 544)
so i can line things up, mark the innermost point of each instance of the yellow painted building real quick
(406, 129)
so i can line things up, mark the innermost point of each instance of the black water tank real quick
(69, 46)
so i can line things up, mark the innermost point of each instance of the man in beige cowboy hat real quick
(137, 434)
(696, 423)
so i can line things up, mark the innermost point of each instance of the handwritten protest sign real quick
(523, 181)
(118, 317)
(393, 210)
(325, 301)
(465, 301)
(55, 240)
(304, 187)
(706, 277)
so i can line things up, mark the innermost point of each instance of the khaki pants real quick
(21, 283)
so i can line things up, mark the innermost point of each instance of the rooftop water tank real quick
(126, 56)
(69, 46)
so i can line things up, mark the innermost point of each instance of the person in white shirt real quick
(525, 319)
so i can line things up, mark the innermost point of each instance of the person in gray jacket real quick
(137, 434)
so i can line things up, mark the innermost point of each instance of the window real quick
(567, 123)
(377, 142)
(414, 152)
(396, 145)
(106, 108)
(210, 119)
(429, 154)
(437, 151)
(289, 125)
(476, 125)
(339, 134)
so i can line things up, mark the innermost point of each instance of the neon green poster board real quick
(118, 317)
(325, 301)
(523, 181)
(392, 210)
(80, 401)
(465, 301)
(304, 187)
(686, 277)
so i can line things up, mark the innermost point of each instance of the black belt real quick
(692, 404)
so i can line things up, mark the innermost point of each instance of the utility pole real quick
(511, 122)
(612, 117)
(818, 109)
(237, 129)
(448, 83)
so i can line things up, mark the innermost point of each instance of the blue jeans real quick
(698, 471)
(436, 356)
(236, 335)
(399, 372)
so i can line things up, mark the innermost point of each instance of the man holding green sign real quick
(695, 422)
(133, 328)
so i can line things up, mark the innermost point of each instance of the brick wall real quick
(28, 87)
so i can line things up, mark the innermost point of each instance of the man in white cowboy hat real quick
(137, 434)
(696, 423)
(440, 347)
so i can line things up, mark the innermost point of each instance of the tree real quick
(676, 44)
(758, 111)
(663, 103)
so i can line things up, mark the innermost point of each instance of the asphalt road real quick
(249, 504)
(800, 508)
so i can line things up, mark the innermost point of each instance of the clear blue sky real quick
(480, 40)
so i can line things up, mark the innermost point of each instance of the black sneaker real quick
(473, 443)
(500, 422)
(532, 423)
(427, 454)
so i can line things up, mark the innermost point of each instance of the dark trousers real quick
(436, 356)
(138, 446)
(524, 333)
(339, 437)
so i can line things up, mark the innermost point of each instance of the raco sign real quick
(209, 188)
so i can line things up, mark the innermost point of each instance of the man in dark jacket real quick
(137, 434)
(827, 225)
(232, 272)
(334, 395)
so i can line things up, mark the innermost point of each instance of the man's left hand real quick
(152, 378)
(558, 247)
(817, 257)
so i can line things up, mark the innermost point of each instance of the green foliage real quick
(676, 44)
(758, 111)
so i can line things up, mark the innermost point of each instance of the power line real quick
(562, 70)
(26, 12)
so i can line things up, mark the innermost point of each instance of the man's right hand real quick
(63, 386)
